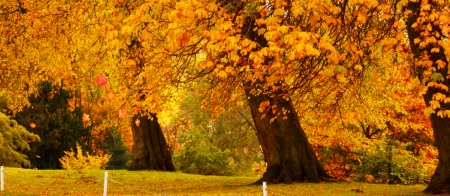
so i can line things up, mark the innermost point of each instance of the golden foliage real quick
(77, 161)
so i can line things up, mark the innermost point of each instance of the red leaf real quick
(101, 80)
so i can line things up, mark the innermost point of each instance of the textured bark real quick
(287, 151)
(440, 181)
(150, 150)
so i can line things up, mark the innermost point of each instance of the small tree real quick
(14, 138)
(115, 146)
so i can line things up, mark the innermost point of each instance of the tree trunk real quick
(150, 150)
(287, 151)
(440, 181)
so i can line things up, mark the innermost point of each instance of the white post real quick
(105, 187)
(2, 179)
(264, 189)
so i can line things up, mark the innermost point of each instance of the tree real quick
(115, 146)
(14, 138)
(276, 52)
(58, 127)
(150, 150)
(426, 22)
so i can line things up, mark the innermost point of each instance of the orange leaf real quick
(111, 95)
(183, 40)
(137, 122)
(86, 117)
(122, 113)
(32, 125)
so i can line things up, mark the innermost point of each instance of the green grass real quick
(63, 182)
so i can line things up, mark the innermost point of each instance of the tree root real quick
(282, 174)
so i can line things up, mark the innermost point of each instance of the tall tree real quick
(144, 77)
(426, 21)
(283, 49)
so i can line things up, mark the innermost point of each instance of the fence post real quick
(105, 187)
(2, 178)
(264, 189)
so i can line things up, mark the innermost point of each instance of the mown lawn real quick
(63, 182)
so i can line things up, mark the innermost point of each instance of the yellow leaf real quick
(340, 77)
(223, 74)
(416, 41)
(425, 7)
(358, 67)
(261, 31)
(361, 18)
(435, 50)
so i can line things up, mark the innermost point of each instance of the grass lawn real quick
(64, 182)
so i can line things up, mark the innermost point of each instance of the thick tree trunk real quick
(150, 150)
(440, 181)
(287, 151)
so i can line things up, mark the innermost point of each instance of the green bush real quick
(14, 138)
(198, 156)
(391, 163)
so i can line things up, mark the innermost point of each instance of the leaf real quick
(32, 125)
(122, 113)
(223, 74)
(111, 95)
(435, 50)
(437, 77)
(101, 80)
(137, 122)
(183, 40)
(86, 117)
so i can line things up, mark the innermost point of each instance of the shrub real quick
(198, 156)
(78, 161)
(391, 163)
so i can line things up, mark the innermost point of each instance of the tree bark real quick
(150, 150)
(440, 181)
(287, 151)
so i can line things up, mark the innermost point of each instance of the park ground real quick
(122, 182)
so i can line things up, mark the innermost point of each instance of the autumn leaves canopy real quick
(351, 58)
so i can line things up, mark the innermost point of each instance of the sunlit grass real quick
(63, 182)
